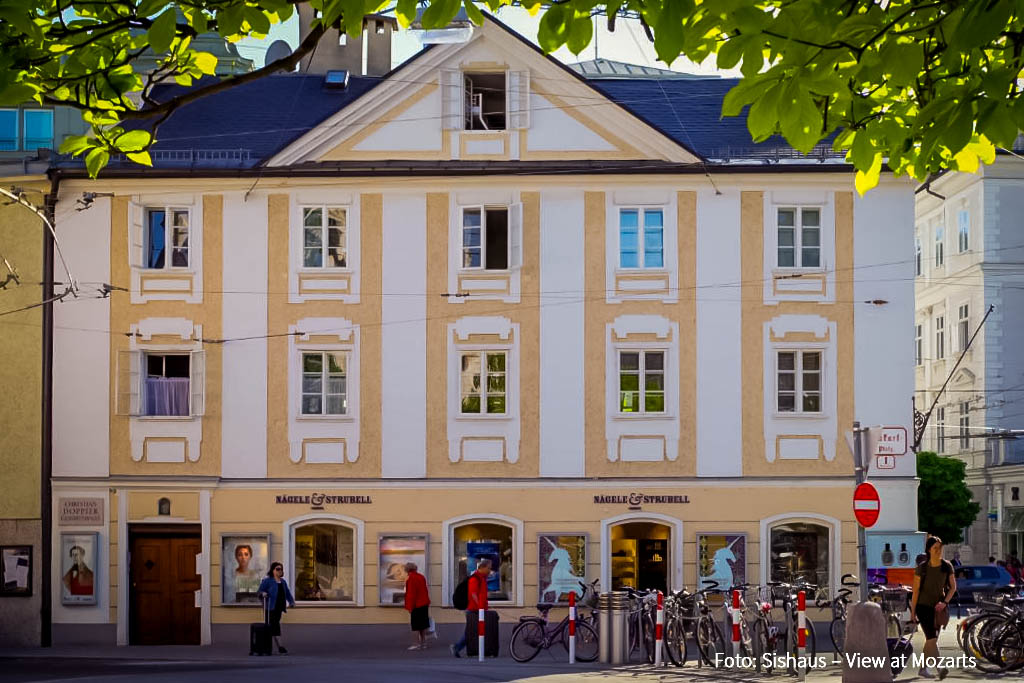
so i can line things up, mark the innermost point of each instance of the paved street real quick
(224, 664)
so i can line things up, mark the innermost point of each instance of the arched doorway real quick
(642, 552)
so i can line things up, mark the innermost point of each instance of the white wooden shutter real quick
(136, 230)
(519, 99)
(129, 383)
(197, 383)
(515, 235)
(452, 113)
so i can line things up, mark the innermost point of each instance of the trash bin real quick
(619, 631)
(604, 626)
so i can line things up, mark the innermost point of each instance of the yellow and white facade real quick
(567, 389)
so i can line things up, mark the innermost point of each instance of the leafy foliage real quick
(944, 503)
(921, 85)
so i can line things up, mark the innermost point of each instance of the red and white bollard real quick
(572, 627)
(734, 617)
(659, 629)
(481, 630)
(801, 633)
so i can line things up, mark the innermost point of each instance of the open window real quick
(486, 101)
(161, 384)
(492, 237)
(159, 237)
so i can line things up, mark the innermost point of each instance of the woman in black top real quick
(275, 589)
(934, 585)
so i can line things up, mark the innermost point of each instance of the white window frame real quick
(132, 373)
(358, 536)
(142, 211)
(940, 430)
(640, 230)
(965, 425)
(448, 527)
(514, 238)
(323, 387)
(482, 353)
(798, 390)
(963, 326)
(963, 230)
(798, 246)
(642, 370)
(917, 256)
(323, 239)
(453, 100)
(918, 345)
(940, 246)
(939, 323)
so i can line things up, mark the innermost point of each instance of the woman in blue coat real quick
(275, 589)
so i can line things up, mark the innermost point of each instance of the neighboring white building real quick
(969, 245)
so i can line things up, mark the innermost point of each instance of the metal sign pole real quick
(860, 472)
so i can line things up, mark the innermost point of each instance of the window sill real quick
(486, 417)
(643, 416)
(485, 271)
(306, 270)
(800, 416)
(324, 603)
(166, 418)
(177, 270)
(480, 131)
(660, 270)
(782, 271)
(326, 418)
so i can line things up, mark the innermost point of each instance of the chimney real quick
(369, 54)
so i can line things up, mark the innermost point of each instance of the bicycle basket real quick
(896, 600)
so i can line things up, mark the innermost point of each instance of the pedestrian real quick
(934, 586)
(956, 559)
(274, 589)
(477, 594)
(992, 560)
(417, 602)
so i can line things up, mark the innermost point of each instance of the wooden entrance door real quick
(163, 586)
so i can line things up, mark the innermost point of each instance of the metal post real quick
(481, 629)
(801, 633)
(860, 473)
(734, 618)
(659, 630)
(572, 627)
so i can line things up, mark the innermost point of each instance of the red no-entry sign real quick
(866, 504)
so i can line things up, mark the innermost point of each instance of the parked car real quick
(983, 579)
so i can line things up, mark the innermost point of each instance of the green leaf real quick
(763, 117)
(161, 33)
(76, 144)
(206, 63)
(580, 32)
(140, 158)
(133, 140)
(405, 12)
(96, 160)
(474, 13)
(867, 180)
(553, 30)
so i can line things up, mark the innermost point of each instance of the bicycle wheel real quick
(746, 639)
(837, 631)
(648, 636)
(763, 643)
(675, 641)
(527, 640)
(710, 641)
(1009, 647)
(587, 643)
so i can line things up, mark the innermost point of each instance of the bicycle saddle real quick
(545, 606)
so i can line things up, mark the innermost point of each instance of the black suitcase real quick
(492, 634)
(260, 640)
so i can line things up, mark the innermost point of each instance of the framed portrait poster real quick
(395, 551)
(244, 561)
(16, 571)
(561, 566)
(78, 567)
(721, 558)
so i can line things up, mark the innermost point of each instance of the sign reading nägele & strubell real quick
(317, 501)
(635, 500)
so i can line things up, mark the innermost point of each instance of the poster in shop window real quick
(721, 558)
(561, 566)
(490, 551)
(395, 552)
(245, 559)
(78, 568)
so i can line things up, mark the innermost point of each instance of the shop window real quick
(475, 541)
(640, 556)
(324, 563)
(324, 237)
(800, 551)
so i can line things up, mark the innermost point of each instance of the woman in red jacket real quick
(417, 602)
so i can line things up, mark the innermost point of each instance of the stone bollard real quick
(866, 654)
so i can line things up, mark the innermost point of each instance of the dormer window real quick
(485, 101)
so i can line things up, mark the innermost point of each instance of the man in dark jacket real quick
(477, 599)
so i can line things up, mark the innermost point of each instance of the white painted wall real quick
(417, 129)
(81, 345)
(562, 432)
(719, 347)
(551, 129)
(244, 306)
(404, 337)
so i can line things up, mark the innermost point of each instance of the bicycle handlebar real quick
(854, 582)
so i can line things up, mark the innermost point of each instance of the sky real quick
(627, 44)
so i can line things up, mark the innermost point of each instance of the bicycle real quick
(689, 615)
(839, 606)
(534, 633)
(789, 599)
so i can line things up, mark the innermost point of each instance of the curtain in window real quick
(167, 396)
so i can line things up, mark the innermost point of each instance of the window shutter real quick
(136, 230)
(451, 99)
(515, 235)
(519, 99)
(197, 383)
(129, 383)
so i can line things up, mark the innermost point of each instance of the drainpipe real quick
(46, 441)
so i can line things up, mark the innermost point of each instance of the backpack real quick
(460, 598)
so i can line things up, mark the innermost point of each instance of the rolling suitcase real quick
(492, 639)
(260, 640)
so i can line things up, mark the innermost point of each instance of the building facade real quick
(478, 308)
(969, 251)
